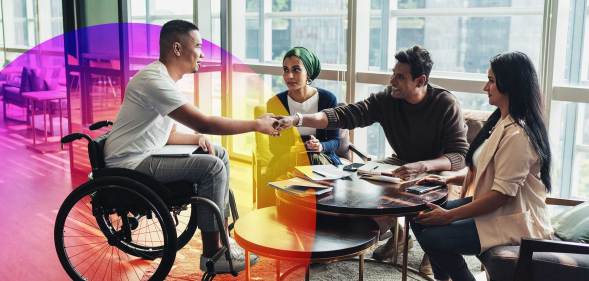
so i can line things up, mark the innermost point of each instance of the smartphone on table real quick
(423, 188)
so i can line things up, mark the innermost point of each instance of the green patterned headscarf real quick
(310, 61)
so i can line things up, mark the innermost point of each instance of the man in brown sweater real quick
(422, 122)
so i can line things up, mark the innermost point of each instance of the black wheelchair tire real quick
(168, 251)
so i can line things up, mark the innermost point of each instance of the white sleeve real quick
(166, 97)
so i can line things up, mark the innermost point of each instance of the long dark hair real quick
(516, 77)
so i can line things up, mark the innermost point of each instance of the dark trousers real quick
(446, 244)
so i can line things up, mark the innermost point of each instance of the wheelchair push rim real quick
(96, 239)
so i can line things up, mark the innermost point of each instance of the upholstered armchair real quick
(29, 81)
(12, 93)
(539, 260)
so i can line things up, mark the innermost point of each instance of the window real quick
(461, 35)
(20, 33)
(271, 29)
(27, 23)
(569, 116)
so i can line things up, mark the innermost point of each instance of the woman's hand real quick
(206, 144)
(435, 216)
(313, 145)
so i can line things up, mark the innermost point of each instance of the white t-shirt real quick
(311, 105)
(143, 124)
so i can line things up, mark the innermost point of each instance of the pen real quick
(319, 173)
(375, 167)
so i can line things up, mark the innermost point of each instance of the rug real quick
(187, 262)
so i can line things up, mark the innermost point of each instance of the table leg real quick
(277, 270)
(247, 266)
(33, 122)
(307, 272)
(44, 120)
(405, 249)
(60, 120)
(395, 239)
(50, 120)
(361, 268)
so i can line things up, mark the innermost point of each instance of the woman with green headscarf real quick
(300, 67)
(298, 146)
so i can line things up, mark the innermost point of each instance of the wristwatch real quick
(300, 121)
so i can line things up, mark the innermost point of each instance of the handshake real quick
(271, 124)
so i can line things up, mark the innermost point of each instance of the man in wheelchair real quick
(146, 122)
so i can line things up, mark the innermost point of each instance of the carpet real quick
(186, 267)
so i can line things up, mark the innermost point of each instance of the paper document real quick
(176, 150)
(376, 168)
(378, 172)
(301, 187)
(322, 172)
(382, 178)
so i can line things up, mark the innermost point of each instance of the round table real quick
(356, 197)
(267, 233)
(312, 228)
(359, 197)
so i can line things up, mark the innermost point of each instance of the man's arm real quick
(187, 138)
(350, 116)
(411, 170)
(191, 117)
(182, 138)
(441, 163)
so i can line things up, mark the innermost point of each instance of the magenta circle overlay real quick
(99, 48)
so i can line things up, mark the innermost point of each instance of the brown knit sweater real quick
(416, 132)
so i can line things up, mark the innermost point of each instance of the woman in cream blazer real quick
(508, 178)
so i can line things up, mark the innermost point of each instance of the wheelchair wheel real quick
(186, 224)
(115, 227)
(184, 220)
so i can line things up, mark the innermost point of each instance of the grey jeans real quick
(209, 173)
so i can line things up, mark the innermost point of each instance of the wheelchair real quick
(123, 224)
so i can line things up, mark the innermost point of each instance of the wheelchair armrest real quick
(529, 246)
(363, 156)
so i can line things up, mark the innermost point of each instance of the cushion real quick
(36, 82)
(573, 224)
(500, 263)
(475, 120)
(560, 266)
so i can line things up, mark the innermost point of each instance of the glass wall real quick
(462, 35)
(27, 23)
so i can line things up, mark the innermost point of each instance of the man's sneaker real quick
(387, 250)
(237, 257)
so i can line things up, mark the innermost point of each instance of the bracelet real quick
(300, 119)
